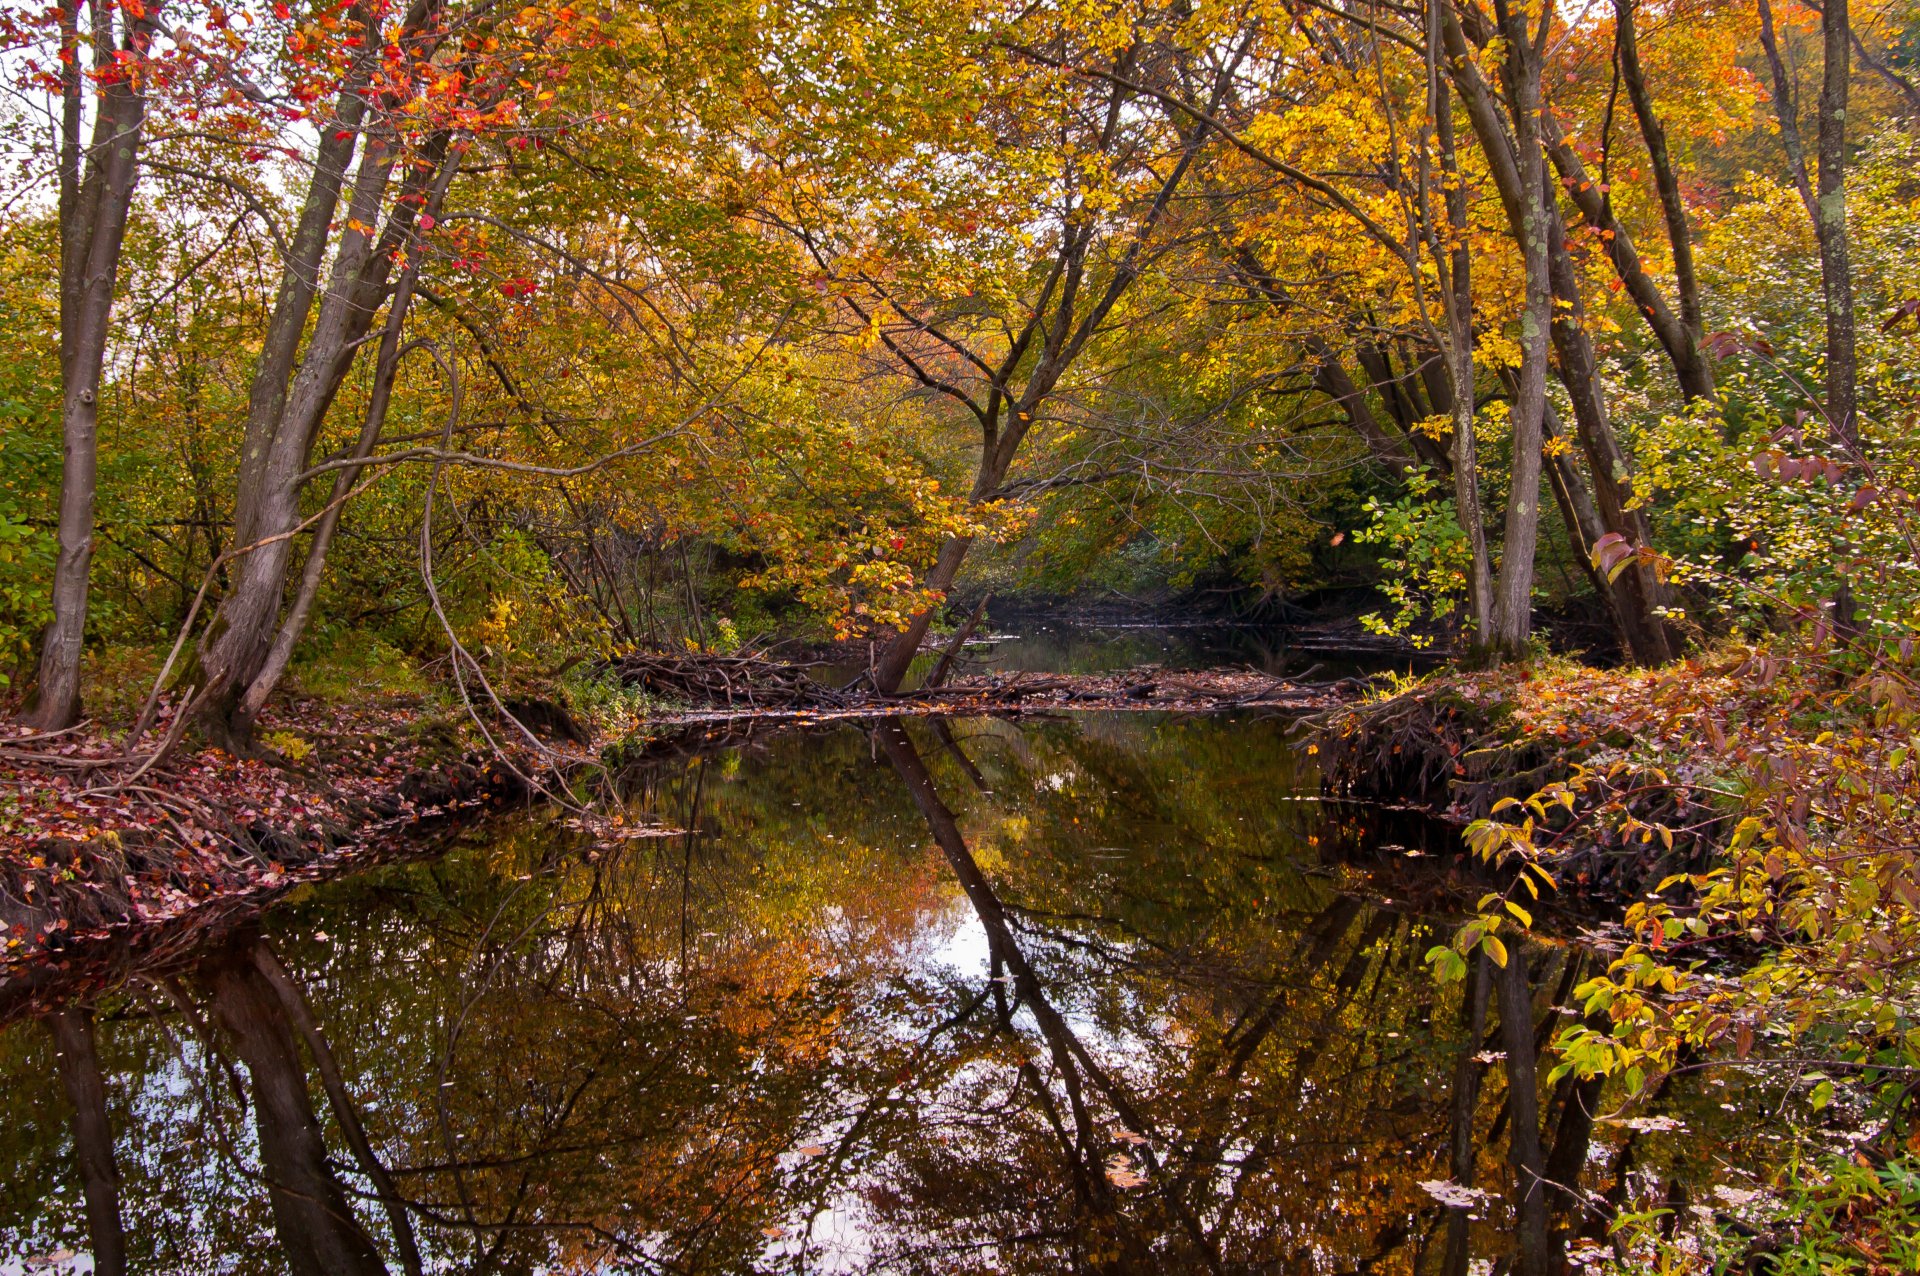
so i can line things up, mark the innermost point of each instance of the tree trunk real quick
(1836, 269)
(1695, 370)
(93, 228)
(1637, 592)
(242, 636)
(299, 284)
(1513, 609)
(1457, 285)
(1678, 335)
(891, 670)
(1827, 207)
(386, 370)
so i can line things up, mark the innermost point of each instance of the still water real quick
(1113, 992)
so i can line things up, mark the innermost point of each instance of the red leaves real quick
(281, 11)
(1723, 345)
(521, 287)
(1794, 469)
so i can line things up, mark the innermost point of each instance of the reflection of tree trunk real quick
(1533, 1244)
(945, 732)
(993, 918)
(92, 1136)
(1466, 1100)
(1082, 1145)
(317, 1228)
(1345, 984)
(344, 1110)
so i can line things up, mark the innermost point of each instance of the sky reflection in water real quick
(1088, 994)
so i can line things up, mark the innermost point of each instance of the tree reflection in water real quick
(920, 997)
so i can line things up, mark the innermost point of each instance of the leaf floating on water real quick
(1455, 1195)
(1121, 1174)
(1651, 1124)
(812, 1149)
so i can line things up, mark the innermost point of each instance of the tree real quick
(96, 185)
(409, 97)
(1084, 175)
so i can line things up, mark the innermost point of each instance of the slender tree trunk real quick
(1836, 268)
(890, 671)
(79, 1067)
(1826, 204)
(1678, 335)
(1637, 592)
(1062, 337)
(93, 229)
(1692, 366)
(386, 370)
(1458, 298)
(300, 279)
(1513, 604)
(242, 636)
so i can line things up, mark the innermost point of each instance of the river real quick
(1101, 992)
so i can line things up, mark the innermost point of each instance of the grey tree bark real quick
(96, 197)
(1693, 368)
(1457, 295)
(284, 424)
(1529, 205)
(1513, 591)
(1826, 203)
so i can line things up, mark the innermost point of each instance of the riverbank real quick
(96, 839)
(1748, 819)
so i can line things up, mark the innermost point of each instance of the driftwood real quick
(733, 682)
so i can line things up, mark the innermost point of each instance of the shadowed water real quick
(1106, 993)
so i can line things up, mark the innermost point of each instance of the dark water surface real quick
(1088, 994)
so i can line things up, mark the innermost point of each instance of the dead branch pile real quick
(732, 682)
(1441, 752)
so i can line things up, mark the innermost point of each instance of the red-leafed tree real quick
(396, 100)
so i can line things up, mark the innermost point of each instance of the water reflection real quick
(917, 997)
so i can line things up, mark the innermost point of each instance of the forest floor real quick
(96, 846)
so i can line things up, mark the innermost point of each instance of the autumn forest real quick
(945, 635)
